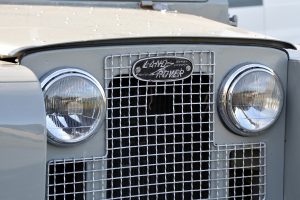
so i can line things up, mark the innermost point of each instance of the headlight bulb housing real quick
(250, 99)
(75, 105)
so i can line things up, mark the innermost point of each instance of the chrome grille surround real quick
(136, 164)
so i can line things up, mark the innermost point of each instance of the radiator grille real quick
(160, 142)
(154, 131)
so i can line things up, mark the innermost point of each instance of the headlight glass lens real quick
(75, 104)
(254, 100)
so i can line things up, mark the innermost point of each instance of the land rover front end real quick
(102, 100)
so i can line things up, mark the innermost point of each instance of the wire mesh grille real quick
(160, 142)
(154, 130)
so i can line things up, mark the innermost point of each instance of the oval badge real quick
(162, 69)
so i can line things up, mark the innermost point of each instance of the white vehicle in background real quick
(276, 18)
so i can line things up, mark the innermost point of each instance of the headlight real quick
(250, 99)
(75, 105)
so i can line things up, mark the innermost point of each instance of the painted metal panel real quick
(91, 59)
(22, 136)
(69, 25)
(292, 161)
(243, 3)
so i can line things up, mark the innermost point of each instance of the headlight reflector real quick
(251, 99)
(75, 105)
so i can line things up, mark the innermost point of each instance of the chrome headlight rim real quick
(225, 97)
(49, 79)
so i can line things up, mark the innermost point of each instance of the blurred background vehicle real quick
(275, 18)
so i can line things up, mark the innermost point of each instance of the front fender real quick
(22, 134)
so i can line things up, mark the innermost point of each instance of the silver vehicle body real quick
(36, 40)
